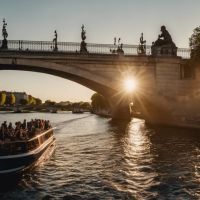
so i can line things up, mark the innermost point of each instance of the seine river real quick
(98, 159)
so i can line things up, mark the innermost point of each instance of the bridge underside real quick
(119, 109)
(102, 89)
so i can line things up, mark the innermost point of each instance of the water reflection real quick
(158, 162)
(136, 164)
(177, 157)
(97, 158)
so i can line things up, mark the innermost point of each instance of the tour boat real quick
(16, 156)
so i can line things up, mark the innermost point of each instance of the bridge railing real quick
(183, 52)
(25, 45)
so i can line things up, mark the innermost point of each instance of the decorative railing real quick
(73, 47)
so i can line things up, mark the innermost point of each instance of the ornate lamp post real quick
(117, 49)
(55, 41)
(83, 47)
(142, 46)
(5, 35)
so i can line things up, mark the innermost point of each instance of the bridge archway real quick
(70, 72)
(74, 73)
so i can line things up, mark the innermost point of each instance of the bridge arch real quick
(100, 74)
(71, 72)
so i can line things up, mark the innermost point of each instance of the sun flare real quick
(130, 85)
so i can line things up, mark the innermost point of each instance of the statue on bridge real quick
(118, 49)
(55, 41)
(5, 35)
(83, 47)
(142, 46)
(164, 44)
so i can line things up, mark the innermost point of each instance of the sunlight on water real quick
(138, 159)
(138, 141)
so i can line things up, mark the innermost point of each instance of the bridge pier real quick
(154, 109)
(120, 110)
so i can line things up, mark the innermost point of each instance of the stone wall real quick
(176, 100)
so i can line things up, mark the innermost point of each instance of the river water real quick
(96, 158)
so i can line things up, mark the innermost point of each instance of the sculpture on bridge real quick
(83, 47)
(55, 41)
(142, 46)
(5, 35)
(164, 44)
(118, 49)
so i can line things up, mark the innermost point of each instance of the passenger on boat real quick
(2, 132)
(22, 131)
(10, 132)
(24, 124)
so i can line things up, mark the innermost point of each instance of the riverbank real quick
(102, 113)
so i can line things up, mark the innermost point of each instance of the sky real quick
(103, 20)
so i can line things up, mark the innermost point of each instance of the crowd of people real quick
(22, 130)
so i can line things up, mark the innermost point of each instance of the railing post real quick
(19, 45)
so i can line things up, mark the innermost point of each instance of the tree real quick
(31, 100)
(194, 42)
(50, 103)
(85, 105)
(10, 99)
(38, 101)
(2, 98)
(99, 102)
(23, 102)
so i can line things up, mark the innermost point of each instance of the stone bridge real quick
(166, 84)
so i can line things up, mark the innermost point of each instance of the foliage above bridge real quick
(194, 43)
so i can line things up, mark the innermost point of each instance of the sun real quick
(130, 84)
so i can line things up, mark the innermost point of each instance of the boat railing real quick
(26, 145)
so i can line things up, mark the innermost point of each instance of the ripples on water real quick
(98, 159)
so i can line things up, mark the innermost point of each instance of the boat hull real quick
(17, 163)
